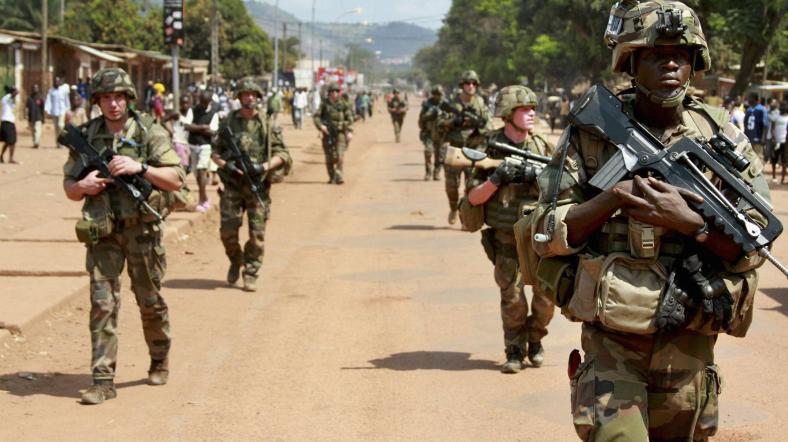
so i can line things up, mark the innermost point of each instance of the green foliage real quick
(244, 48)
(26, 15)
(559, 42)
(116, 22)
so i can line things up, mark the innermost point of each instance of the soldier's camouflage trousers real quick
(518, 326)
(396, 120)
(233, 203)
(140, 247)
(434, 154)
(335, 155)
(452, 183)
(661, 387)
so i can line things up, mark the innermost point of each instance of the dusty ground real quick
(374, 320)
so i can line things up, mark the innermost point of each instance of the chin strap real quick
(671, 101)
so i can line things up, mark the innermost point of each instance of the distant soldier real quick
(434, 151)
(397, 109)
(462, 131)
(254, 135)
(335, 120)
(117, 232)
(505, 192)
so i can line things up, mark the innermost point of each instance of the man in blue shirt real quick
(755, 123)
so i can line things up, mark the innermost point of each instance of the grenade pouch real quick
(90, 231)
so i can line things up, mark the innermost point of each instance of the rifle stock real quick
(455, 158)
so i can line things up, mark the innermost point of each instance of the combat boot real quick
(453, 215)
(514, 360)
(159, 372)
(535, 353)
(233, 273)
(250, 283)
(99, 392)
(436, 175)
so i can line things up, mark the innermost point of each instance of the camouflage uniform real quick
(434, 151)
(640, 383)
(261, 143)
(338, 118)
(500, 213)
(134, 238)
(397, 109)
(459, 136)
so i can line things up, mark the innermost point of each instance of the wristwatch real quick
(143, 168)
(702, 234)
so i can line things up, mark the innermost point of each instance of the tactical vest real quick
(256, 143)
(460, 137)
(429, 115)
(114, 202)
(506, 206)
(335, 113)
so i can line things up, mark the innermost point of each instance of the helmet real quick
(111, 80)
(333, 86)
(249, 86)
(654, 23)
(469, 76)
(436, 90)
(512, 97)
(395, 91)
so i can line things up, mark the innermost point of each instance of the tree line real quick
(558, 43)
(244, 48)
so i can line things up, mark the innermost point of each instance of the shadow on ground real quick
(304, 182)
(52, 384)
(417, 227)
(194, 284)
(408, 180)
(429, 360)
(780, 295)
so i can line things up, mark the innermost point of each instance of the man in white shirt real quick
(57, 104)
(299, 106)
(8, 124)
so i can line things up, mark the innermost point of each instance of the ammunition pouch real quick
(618, 291)
(471, 217)
(90, 231)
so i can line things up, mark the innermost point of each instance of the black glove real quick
(258, 169)
(232, 169)
(457, 121)
(505, 173)
(713, 296)
(676, 307)
(528, 173)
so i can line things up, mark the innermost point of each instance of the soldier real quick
(463, 132)
(649, 371)
(434, 151)
(117, 231)
(505, 193)
(335, 120)
(255, 136)
(397, 108)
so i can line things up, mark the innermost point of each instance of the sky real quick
(426, 13)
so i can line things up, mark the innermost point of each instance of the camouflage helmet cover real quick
(249, 86)
(109, 80)
(333, 86)
(436, 90)
(512, 97)
(469, 76)
(654, 23)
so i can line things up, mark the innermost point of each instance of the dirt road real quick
(375, 320)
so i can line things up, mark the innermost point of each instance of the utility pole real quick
(321, 52)
(312, 42)
(44, 48)
(214, 42)
(62, 10)
(284, 48)
(300, 41)
(276, 44)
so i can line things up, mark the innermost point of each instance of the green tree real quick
(116, 22)
(244, 48)
(26, 15)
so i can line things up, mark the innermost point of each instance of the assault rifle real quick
(331, 137)
(135, 186)
(245, 164)
(476, 120)
(532, 164)
(600, 112)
